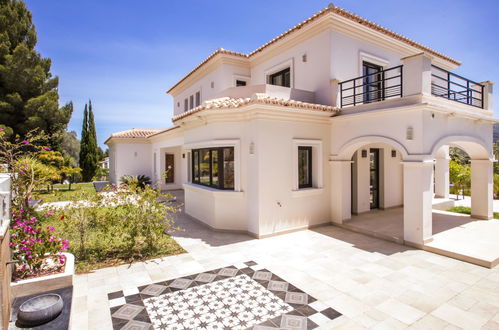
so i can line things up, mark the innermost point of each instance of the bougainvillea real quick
(34, 245)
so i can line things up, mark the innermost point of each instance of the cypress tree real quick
(84, 145)
(89, 154)
(93, 148)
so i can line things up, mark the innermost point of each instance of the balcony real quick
(270, 90)
(417, 76)
(371, 88)
(454, 87)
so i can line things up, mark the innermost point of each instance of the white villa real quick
(334, 117)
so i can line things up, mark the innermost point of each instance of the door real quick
(374, 178)
(372, 83)
(170, 168)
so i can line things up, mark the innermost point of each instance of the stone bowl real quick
(40, 309)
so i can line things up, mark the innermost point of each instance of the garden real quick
(122, 224)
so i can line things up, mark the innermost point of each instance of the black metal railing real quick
(373, 87)
(454, 87)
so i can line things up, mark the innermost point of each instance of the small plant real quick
(140, 181)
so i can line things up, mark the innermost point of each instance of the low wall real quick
(5, 253)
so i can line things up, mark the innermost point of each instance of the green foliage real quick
(20, 158)
(467, 210)
(28, 92)
(102, 174)
(118, 226)
(136, 181)
(459, 156)
(89, 154)
(460, 177)
(71, 147)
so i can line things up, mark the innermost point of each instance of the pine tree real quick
(89, 161)
(28, 92)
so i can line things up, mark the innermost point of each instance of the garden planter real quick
(46, 283)
(40, 309)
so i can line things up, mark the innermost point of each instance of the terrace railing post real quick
(486, 97)
(416, 79)
(336, 87)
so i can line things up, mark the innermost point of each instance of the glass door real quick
(374, 178)
(170, 168)
(372, 82)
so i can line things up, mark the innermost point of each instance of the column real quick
(418, 195)
(340, 190)
(442, 182)
(482, 185)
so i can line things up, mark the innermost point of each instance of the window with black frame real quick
(372, 82)
(281, 78)
(213, 167)
(304, 167)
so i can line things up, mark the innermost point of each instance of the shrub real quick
(121, 224)
(33, 244)
(133, 181)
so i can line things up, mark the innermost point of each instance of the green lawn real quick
(61, 192)
(467, 210)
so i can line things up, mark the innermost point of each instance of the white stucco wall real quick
(312, 75)
(129, 159)
(222, 77)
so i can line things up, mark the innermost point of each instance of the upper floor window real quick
(240, 83)
(192, 101)
(281, 78)
(198, 99)
(213, 167)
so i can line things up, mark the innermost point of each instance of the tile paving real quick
(373, 283)
(242, 296)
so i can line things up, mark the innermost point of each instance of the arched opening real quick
(369, 195)
(382, 190)
(464, 168)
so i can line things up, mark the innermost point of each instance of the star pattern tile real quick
(244, 296)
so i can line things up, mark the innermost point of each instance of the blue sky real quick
(124, 55)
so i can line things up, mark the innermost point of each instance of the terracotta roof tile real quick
(258, 98)
(135, 133)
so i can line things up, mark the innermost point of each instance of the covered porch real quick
(459, 236)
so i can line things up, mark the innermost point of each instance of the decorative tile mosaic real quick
(244, 296)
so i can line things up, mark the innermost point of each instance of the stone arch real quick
(474, 147)
(347, 150)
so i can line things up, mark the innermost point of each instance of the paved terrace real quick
(355, 280)
(455, 235)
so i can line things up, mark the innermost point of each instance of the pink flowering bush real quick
(34, 243)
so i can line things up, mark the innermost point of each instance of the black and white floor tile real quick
(243, 296)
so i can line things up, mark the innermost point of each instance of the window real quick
(281, 78)
(186, 105)
(198, 99)
(304, 167)
(240, 83)
(191, 102)
(213, 167)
